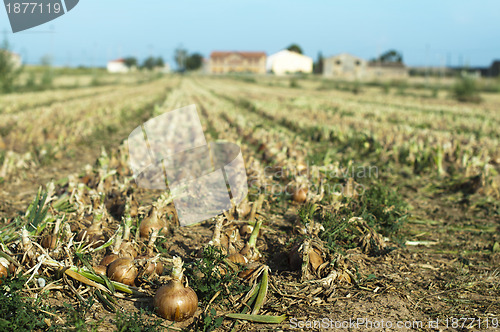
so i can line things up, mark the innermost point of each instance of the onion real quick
(152, 223)
(122, 270)
(150, 267)
(246, 230)
(244, 209)
(4, 268)
(100, 269)
(49, 242)
(250, 269)
(300, 195)
(315, 259)
(175, 302)
(108, 259)
(295, 258)
(127, 250)
(91, 235)
(238, 258)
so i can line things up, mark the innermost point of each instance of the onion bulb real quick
(150, 268)
(49, 242)
(108, 259)
(246, 229)
(4, 268)
(127, 250)
(244, 209)
(250, 269)
(300, 195)
(295, 258)
(315, 259)
(175, 302)
(100, 269)
(238, 258)
(152, 223)
(122, 270)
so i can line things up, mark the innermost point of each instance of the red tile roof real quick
(219, 54)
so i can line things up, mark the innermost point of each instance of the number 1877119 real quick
(33, 7)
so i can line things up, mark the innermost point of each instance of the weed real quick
(294, 83)
(136, 322)
(465, 89)
(75, 317)
(19, 313)
(210, 267)
(380, 206)
(208, 321)
(383, 208)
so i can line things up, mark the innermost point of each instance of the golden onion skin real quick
(100, 269)
(4, 268)
(127, 250)
(108, 259)
(3, 272)
(315, 259)
(238, 258)
(175, 302)
(122, 270)
(150, 268)
(295, 258)
(49, 242)
(300, 195)
(151, 223)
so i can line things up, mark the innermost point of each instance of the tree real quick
(295, 48)
(391, 56)
(130, 62)
(194, 61)
(318, 65)
(159, 62)
(149, 63)
(180, 55)
(8, 70)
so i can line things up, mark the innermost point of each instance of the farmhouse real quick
(288, 62)
(345, 66)
(117, 66)
(237, 62)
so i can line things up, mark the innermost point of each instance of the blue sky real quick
(426, 32)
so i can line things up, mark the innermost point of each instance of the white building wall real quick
(117, 67)
(285, 62)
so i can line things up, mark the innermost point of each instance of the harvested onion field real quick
(374, 205)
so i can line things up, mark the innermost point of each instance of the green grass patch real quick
(212, 274)
(18, 312)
